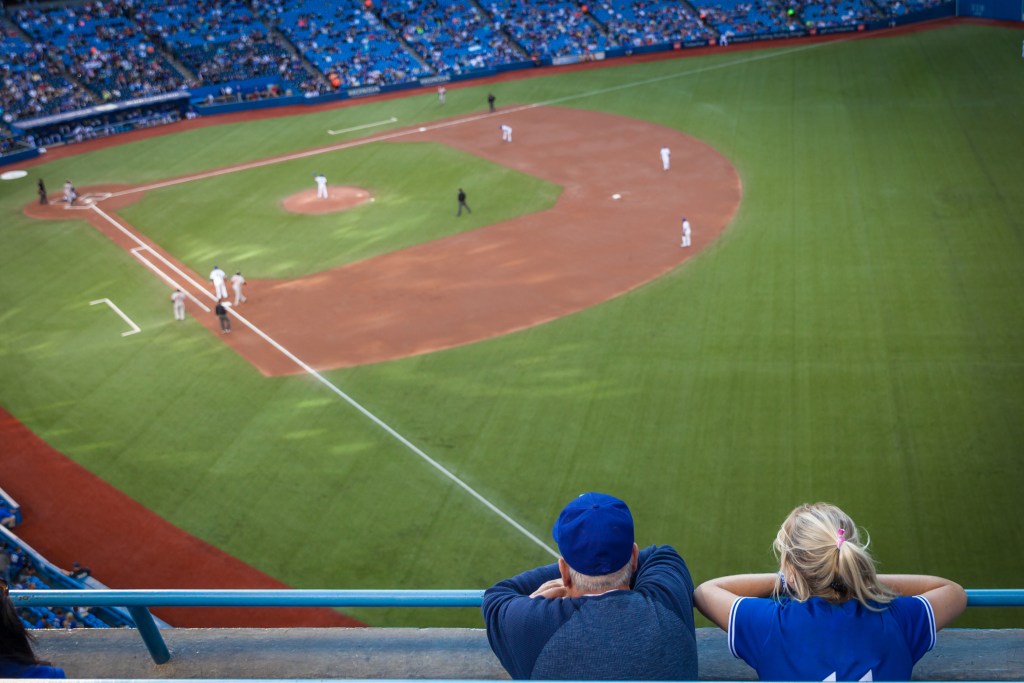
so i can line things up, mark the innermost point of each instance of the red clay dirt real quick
(339, 198)
(509, 276)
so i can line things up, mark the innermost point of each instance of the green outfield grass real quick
(854, 336)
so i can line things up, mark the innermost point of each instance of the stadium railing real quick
(138, 602)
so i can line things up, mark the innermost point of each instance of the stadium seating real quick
(26, 572)
(32, 85)
(345, 41)
(453, 36)
(636, 23)
(731, 17)
(68, 56)
(841, 13)
(102, 48)
(549, 28)
(221, 41)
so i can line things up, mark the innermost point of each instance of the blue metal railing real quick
(138, 602)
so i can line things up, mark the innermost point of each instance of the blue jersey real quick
(818, 641)
(9, 669)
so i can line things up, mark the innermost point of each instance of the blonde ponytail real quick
(821, 555)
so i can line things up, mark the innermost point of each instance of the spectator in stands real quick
(16, 657)
(8, 516)
(826, 615)
(79, 572)
(606, 610)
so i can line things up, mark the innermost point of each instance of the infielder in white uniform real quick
(217, 278)
(666, 154)
(321, 186)
(506, 132)
(237, 281)
(178, 297)
(686, 232)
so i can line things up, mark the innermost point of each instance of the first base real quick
(423, 130)
(616, 196)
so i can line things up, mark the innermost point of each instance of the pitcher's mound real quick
(339, 199)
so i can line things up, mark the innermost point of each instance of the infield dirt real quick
(508, 276)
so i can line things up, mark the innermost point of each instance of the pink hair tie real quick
(842, 538)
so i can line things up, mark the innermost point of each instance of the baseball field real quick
(409, 398)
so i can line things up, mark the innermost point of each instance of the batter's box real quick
(86, 201)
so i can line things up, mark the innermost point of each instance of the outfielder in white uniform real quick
(506, 132)
(441, 92)
(666, 155)
(686, 233)
(237, 281)
(178, 297)
(217, 278)
(321, 186)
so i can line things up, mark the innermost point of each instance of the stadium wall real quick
(960, 654)
(1005, 10)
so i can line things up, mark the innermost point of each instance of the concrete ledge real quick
(428, 653)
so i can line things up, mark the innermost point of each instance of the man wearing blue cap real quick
(605, 611)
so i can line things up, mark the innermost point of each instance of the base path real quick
(509, 276)
(615, 226)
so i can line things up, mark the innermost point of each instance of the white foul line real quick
(393, 119)
(327, 383)
(166, 277)
(401, 439)
(135, 328)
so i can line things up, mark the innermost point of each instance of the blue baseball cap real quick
(594, 534)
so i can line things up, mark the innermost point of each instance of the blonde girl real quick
(827, 614)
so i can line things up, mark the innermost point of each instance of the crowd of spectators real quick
(21, 571)
(636, 23)
(30, 83)
(757, 17)
(841, 13)
(346, 42)
(102, 48)
(66, 57)
(453, 36)
(221, 41)
(21, 574)
(549, 28)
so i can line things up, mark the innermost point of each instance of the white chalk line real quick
(135, 328)
(167, 278)
(393, 119)
(327, 383)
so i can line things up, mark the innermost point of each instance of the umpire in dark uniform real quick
(462, 203)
